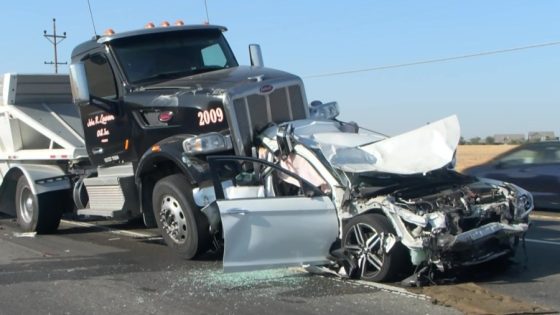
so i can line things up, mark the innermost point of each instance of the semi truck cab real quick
(153, 104)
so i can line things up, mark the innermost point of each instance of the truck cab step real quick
(107, 213)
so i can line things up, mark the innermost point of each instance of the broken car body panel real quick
(431, 146)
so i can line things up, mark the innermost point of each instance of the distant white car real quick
(323, 192)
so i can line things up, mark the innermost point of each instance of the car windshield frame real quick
(154, 58)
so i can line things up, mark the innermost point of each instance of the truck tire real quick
(361, 239)
(183, 227)
(36, 213)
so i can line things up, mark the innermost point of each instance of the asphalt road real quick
(535, 277)
(124, 269)
(88, 270)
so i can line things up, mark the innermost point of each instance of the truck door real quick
(106, 123)
(268, 222)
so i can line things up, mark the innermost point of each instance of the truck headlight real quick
(207, 143)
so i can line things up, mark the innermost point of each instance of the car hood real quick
(422, 150)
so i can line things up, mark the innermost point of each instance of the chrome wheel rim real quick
(26, 205)
(364, 243)
(173, 220)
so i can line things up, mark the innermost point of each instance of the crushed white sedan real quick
(325, 192)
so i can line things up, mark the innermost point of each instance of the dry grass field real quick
(469, 155)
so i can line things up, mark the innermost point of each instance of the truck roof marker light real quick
(109, 32)
(179, 23)
(150, 25)
(156, 148)
(126, 145)
(165, 24)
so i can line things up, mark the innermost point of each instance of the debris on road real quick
(474, 299)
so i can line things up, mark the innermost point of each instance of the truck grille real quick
(254, 112)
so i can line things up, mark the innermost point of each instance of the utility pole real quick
(55, 40)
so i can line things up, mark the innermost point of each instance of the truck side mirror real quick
(319, 110)
(78, 83)
(255, 54)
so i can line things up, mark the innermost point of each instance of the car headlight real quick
(207, 143)
(524, 204)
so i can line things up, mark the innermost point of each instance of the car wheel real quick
(34, 213)
(182, 225)
(362, 240)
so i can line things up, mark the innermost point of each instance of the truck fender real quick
(163, 159)
(41, 178)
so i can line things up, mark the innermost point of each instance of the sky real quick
(513, 92)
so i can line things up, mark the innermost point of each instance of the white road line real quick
(530, 240)
(110, 230)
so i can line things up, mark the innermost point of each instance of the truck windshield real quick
(153, 58)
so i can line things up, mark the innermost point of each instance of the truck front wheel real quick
(182, 226)
(35, 213)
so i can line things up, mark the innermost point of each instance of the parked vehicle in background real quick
(533, 166)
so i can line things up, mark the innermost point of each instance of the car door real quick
(536, 168)
(512, 167)
(268, 222)
(543, 180)
(106, 126)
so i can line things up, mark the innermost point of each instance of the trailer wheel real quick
(182, 226)
(35, 213)
(362, 239)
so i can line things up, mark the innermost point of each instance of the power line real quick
(423, 62)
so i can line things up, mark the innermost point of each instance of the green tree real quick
(490, 140)
(475, 140)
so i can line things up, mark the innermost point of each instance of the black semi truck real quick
(131, 139)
